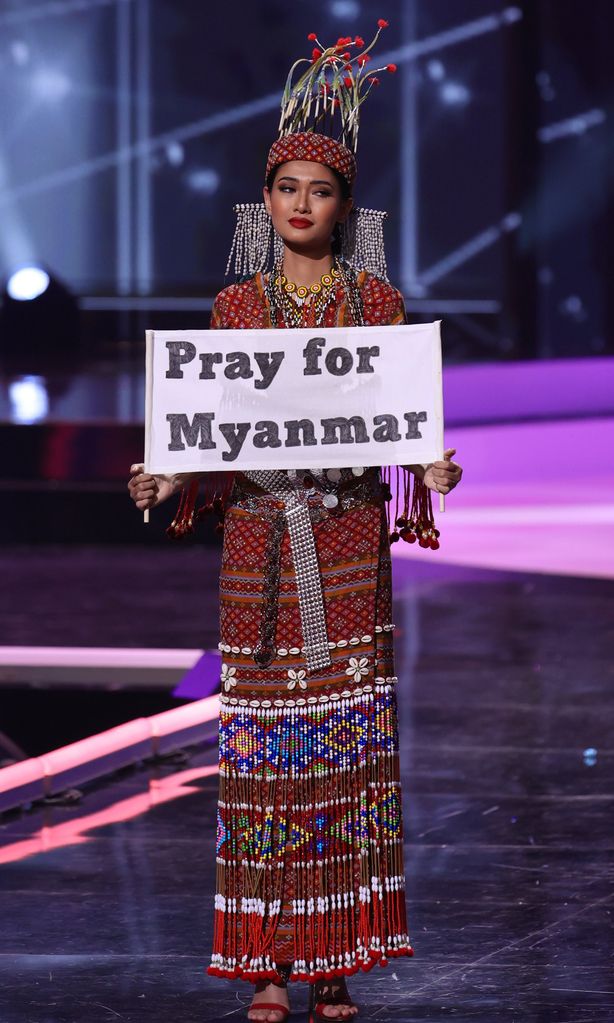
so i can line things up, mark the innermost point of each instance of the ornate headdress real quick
(319, 122)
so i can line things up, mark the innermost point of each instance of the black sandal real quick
(328, 992)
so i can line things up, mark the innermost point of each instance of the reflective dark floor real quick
(507, 682)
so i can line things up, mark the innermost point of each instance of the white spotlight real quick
(51, 85)
(454, 94)
(27, 283)
(175, 153)
(573, 307)
(29, 399)
(345, 9)
(510, 15)
(511, 222)
(205, 181)
(435, 70)
(20, 52)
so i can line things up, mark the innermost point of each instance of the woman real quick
(310, 881)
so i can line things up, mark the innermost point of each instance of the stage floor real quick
(506, 682)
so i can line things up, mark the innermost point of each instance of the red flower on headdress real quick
(363, 59)
(374, 80)
(343, 41)
(359, 41)
(391, 67)
(312, 37)
(315, 53)
(345, 56)
(348, 82)
(382, 24)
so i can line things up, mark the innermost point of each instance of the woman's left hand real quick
(444, 475)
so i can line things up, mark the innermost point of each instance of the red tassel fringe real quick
(187, 516)
(375, 958)
(413, 514)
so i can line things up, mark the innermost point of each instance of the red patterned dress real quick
(310, 837)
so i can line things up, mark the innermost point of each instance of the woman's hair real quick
(344, 187)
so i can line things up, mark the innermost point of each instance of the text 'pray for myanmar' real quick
(267, 433)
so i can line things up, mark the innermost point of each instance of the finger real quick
(137, 482)
(137, 467)
(449, 452)
(143, 492)
(139, 494)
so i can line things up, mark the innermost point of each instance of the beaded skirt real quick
(310, 836)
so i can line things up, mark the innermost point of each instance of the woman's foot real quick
(336, 998)
(271, 994)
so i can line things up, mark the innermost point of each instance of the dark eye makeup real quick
(319, 191)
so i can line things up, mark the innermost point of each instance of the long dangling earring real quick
(278, 249)
(251, 243)
(362, 241)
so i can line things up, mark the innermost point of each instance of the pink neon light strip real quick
(73, 832)
(105, 743)
(99, 657)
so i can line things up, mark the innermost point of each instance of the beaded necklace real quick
(306, 306)
(301, 293)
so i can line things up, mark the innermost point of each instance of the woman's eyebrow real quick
(316, 181)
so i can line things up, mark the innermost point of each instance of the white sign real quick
(289, 399)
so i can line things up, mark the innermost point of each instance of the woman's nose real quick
(302, 203)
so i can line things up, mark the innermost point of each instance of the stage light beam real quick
(247, 111)
(510, 222)
(577, 125)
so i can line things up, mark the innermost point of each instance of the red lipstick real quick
(300, 222)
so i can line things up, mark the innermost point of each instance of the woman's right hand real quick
(149, 491)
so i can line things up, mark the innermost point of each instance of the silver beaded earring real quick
(251, 244)
(362, 241)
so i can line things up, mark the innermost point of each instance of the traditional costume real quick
(310, 838)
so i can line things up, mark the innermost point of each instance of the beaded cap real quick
(308, 145)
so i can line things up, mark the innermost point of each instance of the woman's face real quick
(305, 203)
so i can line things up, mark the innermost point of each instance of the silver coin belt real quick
(340, 489)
